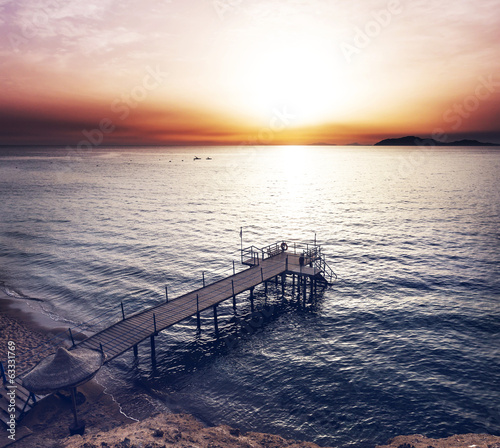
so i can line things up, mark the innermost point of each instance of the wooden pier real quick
(264, 264)
(276, 261)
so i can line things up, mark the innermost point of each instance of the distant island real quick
(417, 141)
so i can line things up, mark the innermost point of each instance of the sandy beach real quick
(47, 424)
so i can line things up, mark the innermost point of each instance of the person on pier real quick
(301, 261)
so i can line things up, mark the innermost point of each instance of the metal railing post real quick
(166, 293)
(154, 322)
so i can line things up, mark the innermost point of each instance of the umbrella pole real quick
(76, 428)
(73, 401)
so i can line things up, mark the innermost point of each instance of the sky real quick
(246, 72)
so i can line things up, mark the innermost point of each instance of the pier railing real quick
(251, 255)
(311, 252)
(272, 249)
(321, 264)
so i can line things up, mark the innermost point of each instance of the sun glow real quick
(255, 72)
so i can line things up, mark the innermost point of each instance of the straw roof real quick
(63, 370)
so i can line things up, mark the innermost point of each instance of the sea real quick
(405, 341)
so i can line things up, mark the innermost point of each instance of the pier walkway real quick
(265, 264)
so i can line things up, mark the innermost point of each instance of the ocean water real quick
(406, 341)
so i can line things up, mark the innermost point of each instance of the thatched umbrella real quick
(65, 370)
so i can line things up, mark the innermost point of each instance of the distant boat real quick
(197, 158)
(209, 158)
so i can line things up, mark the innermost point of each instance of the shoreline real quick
(46, 426)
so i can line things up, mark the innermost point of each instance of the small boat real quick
(209, 158)
(197, 158)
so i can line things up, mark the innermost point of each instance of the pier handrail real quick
(327, 271)
(309, 250)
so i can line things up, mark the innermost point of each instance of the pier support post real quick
(251, 299)
(153, 351)
(283, 280)
(311, 291)
(123, 312)
(166, 293)
(293, 284)
(215, 321)
(300, 279)
(198, 318)
(136, 352)
(234, 296)
(305, 289)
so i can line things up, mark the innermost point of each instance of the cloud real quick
(49, 123)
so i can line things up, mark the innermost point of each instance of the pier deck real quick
(129, 332)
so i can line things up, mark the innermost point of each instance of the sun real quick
(301, 75)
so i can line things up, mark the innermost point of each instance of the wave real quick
(16, 294)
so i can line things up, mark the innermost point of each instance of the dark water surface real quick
(407, 341)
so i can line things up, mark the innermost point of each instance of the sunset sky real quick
(248, 71)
